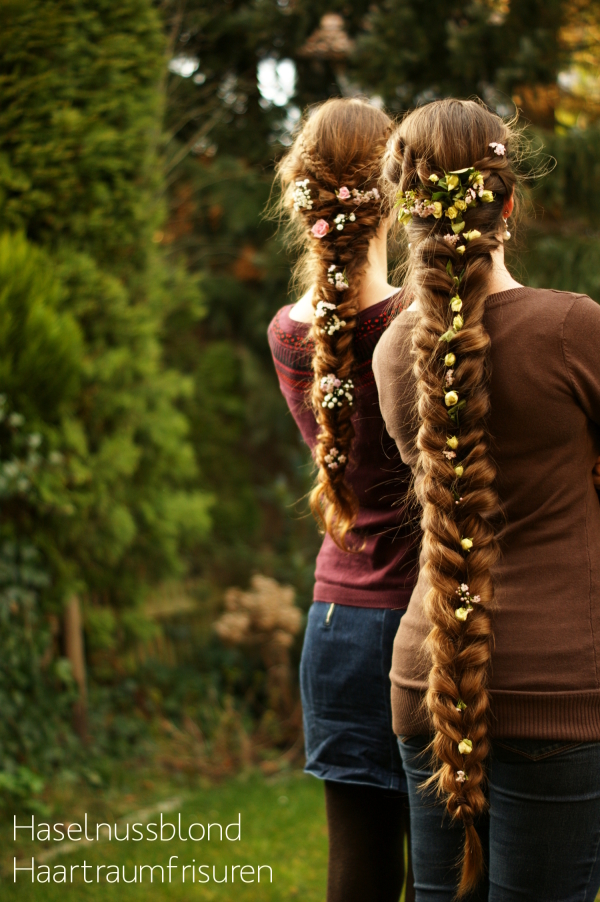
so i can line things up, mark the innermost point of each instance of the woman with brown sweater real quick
(366, 568)
(492, 393)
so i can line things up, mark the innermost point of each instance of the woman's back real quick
(384, 572)
(545, 437)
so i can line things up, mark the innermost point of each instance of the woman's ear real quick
(509, 205)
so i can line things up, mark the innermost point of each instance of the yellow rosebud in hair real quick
(466, 544)
(451, 398)
(434, 178)
(461, 613)
(452, 442)
(458, 322)
(460, 205)
(460, 249)
(451, 212)
(452, 182)
(465, 747)
(459, 470)
(455, 304)
(487, 197)
(437, 209)
(450, 359)
(474, 233)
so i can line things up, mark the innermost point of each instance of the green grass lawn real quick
(283, 825)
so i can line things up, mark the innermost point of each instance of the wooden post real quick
(75, 652)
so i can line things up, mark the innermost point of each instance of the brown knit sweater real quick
(545, 429)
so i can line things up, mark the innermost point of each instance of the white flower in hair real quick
(327, 311)
(337, 277)
(334, 459)
(341, 219)
(302, 198)
(336, 391)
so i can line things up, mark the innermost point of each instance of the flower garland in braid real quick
(330, 177)
(450, 268)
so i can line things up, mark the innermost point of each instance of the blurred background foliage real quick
(147, 461)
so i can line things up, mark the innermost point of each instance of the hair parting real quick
(329, 180)
(440, 153)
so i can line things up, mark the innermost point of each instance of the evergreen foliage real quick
(80, 120)
(79, 124)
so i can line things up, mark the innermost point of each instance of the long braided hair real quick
(448, 275)
(330, 180)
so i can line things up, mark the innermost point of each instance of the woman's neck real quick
(374, 283)
(501, 279)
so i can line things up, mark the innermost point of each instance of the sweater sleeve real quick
(393, 370)
(294, 373)
(581, 350)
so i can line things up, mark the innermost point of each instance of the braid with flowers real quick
(449, 167)
(329, 179)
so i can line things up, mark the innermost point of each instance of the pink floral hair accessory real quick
(334, 459)
(498, 149)
(337, 392)
(320, 228)
(343, 193)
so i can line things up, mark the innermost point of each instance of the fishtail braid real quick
(330, 182)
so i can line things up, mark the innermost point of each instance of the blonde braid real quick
(455, 476)
(340, 147)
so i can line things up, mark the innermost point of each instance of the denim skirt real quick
(345, 686)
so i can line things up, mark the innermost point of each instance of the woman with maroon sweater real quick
(367, 566)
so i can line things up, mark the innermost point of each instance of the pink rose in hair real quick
(320, 228)
(343, 193)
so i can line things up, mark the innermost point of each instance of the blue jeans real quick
(541, 835)
(345, 685)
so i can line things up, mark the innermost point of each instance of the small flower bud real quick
(465, 747)
(452, 442)
(459, 470)
(451, 398)
(450, 359)
(466, 544)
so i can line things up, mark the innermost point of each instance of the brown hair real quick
(443, 136)
(340, 145)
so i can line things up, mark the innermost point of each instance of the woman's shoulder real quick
(550, 301)
(291, 349)
(287, 331)
(393, 348)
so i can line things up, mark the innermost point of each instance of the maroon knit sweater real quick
(384, 573)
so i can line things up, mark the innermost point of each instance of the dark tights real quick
(367, 827)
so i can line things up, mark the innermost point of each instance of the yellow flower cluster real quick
(449, 196)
